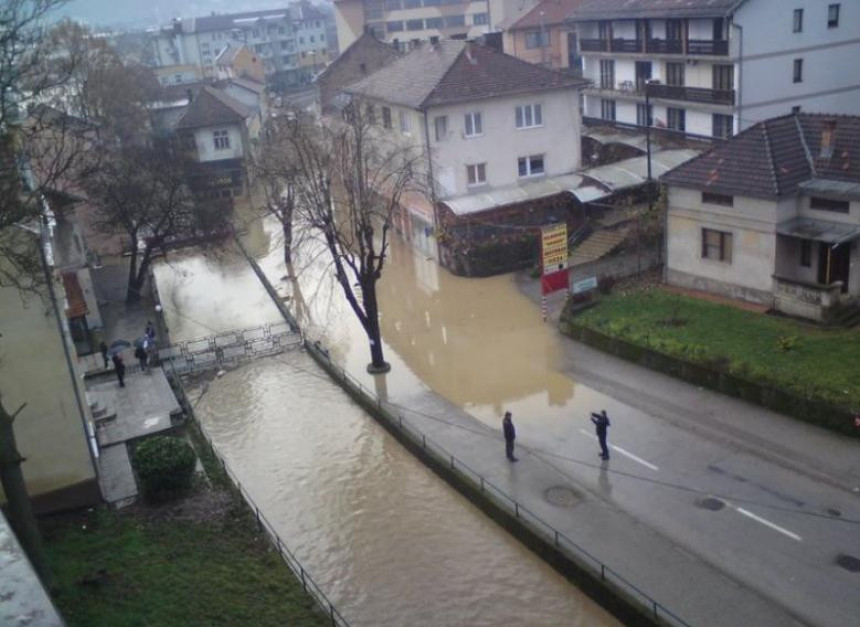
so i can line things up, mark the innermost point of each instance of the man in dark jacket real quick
(601, 422)
(510, 436)
(119, 366)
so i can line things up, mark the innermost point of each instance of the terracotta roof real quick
(457, 71)
(360, 47)
(74, 296)
(211, 107)
(616, 9)
(554, 12)
(775, 157)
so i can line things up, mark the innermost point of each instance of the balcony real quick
(665, 46)
(626, 45)
(693, 94)
(594, 45)
(710, 47)
(806, 300)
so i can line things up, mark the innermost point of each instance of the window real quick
(677, 118)
(833, 16)
(433, 22)
(530, 166)
(301, 40)
(371, 114)
(828, 204)
(806, 253)
(431, 3)
(455, 20)
(607, 110)
(480, 19)
(405, 123)
(716, 245)
(255, 32)
(391, 5)
(394, 27)
(795, 109)
(476, 174)
(313, 39)
(411, 4)
(675, 74)
(723, 125)
(798, 21)
(386, 117)
(221, 140)
(798, 70)
(537, 39)
(414, 24)
(644, 115)
(529, 116)
(474, 126)
(723, 78)
(723, 200)
(607, 74)
(322, 37)
(440, 123)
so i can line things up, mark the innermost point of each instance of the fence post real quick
(655, 609)
(423, 441)
(556, 540)
(482, 484)
(259, 522)
(602, 571)
(452, 462)
(302, 573)
(517, 509)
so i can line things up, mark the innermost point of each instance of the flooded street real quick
(388, 541)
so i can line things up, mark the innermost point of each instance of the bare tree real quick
(25, 78)
(142, 192)
(349, 177)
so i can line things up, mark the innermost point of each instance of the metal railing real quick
(692, 94)
(570, 549)
(308, 584)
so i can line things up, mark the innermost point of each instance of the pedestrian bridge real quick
(229, 347)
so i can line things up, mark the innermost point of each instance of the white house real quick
(772, 216)
(718, 66)
(487, 122)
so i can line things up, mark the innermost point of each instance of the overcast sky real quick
(145, 13)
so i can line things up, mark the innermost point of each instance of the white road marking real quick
(767, 523)
(623, 452)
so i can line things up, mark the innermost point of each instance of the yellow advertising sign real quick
(554, 247)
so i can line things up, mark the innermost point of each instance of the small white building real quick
(486, 121)
(772, 216)
(717, 66)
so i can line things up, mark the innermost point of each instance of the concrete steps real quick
(597, 245)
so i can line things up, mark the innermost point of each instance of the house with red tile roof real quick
(772, 216)
(544, 36)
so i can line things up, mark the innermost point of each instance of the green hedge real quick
(813, 410)
(164, 465)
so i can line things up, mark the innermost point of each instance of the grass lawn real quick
(795, 356)
(199, 561)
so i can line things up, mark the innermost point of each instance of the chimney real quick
(828, 138)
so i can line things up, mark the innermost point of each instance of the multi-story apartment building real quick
(282, 38)
(487, 123)
(544, 36)
(717, 66)
(406, 22)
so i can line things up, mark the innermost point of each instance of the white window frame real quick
(476, 174)
(473, 124)
(405, 123)
(440, 126)
(528, 116)
(221, 139)
(529, 166)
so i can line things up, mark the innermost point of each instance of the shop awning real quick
(819, 230)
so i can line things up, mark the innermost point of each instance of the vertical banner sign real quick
(554, 257)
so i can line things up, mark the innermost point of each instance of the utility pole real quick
(649, 119)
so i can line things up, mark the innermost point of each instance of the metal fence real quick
(570, 549)
(308, 584)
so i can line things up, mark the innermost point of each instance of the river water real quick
(389, 542)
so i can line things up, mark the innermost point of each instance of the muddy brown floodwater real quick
(389, 542)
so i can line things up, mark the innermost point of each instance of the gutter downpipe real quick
(430, 180)
(740, 73)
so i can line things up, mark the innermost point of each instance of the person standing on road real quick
(120, 369)
(104, 349)
(142, 356)
(601, 423)
(510, 436)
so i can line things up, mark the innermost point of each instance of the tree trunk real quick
(18, 506)
(374, 335)
(287, 226)
(139, 279)
(132, 293)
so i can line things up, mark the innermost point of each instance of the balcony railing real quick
(627, 45)
(806, 300)
(708, 47)
(693, 94)
(665, 46)
(594, 45)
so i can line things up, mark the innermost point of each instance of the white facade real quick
(727, 73)
(500, 144)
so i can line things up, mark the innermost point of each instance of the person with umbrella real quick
(115, 352)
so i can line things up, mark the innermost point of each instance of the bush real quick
(164, 465)
(605, 284)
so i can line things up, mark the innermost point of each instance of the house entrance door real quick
(834, 264)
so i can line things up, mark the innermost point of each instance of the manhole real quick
(833, 512)
(711, 504)
(561, 496)
(848, 562)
